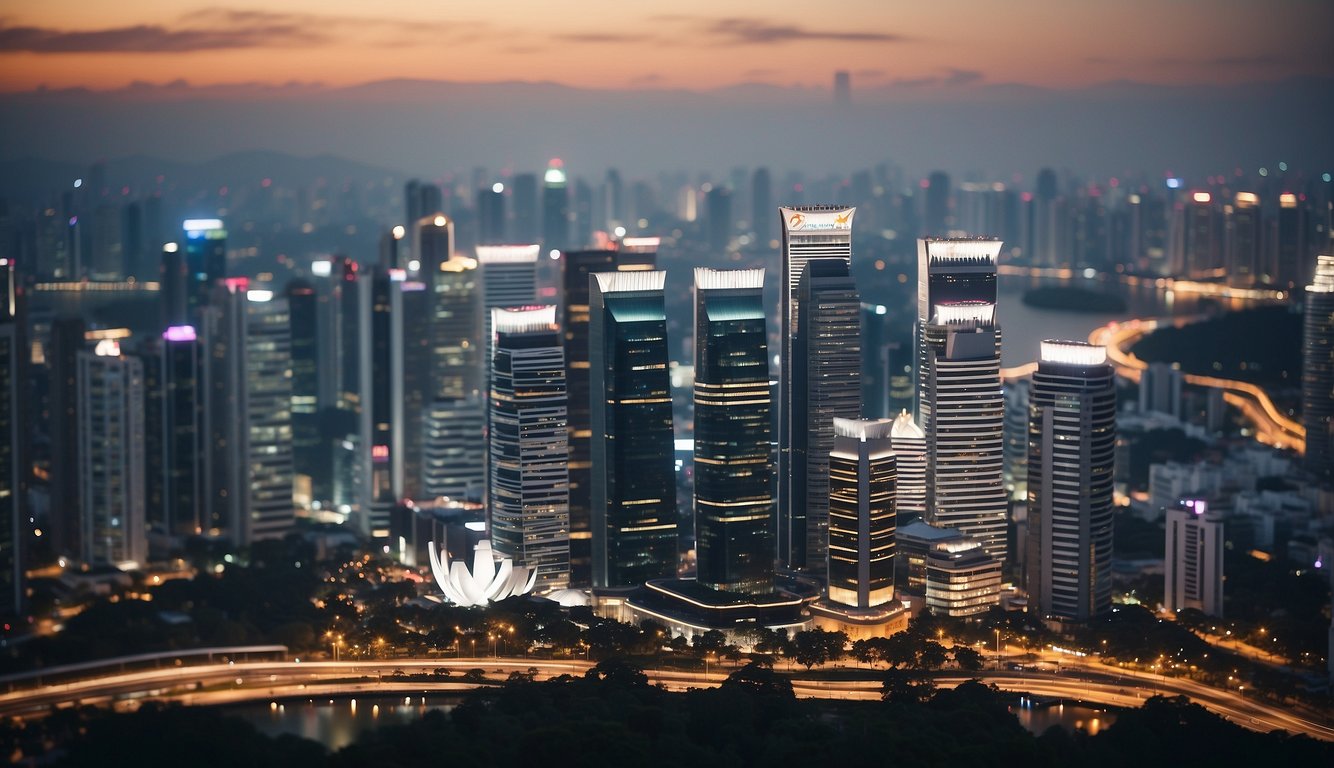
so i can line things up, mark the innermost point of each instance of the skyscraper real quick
(950, 271)
(205, 263)
(938, 217)
(310, 460)
(761, 207)
(456, 331)
(14, 447)
(826, 385)
(111, 457)
(491, 214)
(718, 218)
(1202, 252)
(413, 364)
(909, 443)
(524, 198)
(433, 244)
(1193, 567)
(555, 208)
(1289, 244)
(633, 488)
(386, 394)
(809, 232)
(576, 267)
(62, 361)
(1318, 371)
(1071, 447)
(734, 484)
(1016, 438)
(183, 438)
(454, 450)
(350, 419)
(875, 361)
(268, 511)
(862, 513)
(963, 416)
(528, 499)
(1242, 239)
(509, 279)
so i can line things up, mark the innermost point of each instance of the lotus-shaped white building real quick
(491, 578)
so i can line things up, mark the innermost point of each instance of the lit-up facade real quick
(862, 513)
(1318, 371)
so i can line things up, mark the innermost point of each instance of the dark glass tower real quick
(525, 208)
(1071, 445)
(863, 473)
(205, 262)
(633, 491)
(14, 469)
(826, 384)
(734, 484)
(310, 463)
(1318, 371)
(555, 208)
(491, 215)
(809, 232)
(67, 341)
(576, 266)
(182, 433)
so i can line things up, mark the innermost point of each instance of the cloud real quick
(744, 31)
(647, 79)
(600, 37)
(211, 29)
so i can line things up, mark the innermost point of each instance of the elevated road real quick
(227, 683)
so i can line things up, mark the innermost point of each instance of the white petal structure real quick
(490, 579)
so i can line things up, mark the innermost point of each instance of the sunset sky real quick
(689, 44)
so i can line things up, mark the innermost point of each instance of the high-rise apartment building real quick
(633, 485)
(528, 499)
(1071, 447)
(809, 232)
(14, 455)
(1193, 570)
(1318, 371)
(1016, 438)
(862, 513)
(825, 376)
(1242, 239)
(111, 457)
(1160, 389)
(267, 479)
(734, 483)
(62, 356)
(183, 437)
(509, 279)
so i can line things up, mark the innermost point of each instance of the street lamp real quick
(998, 653)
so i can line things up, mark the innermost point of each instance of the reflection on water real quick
(1072, 717)
(1023, 327)
(335, 723)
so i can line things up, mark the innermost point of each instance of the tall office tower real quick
(718, 218)
(174, 286)
(433, 244)
(963, 415)
(950, 271)
(909, 443)
(826, 384)
(267, 480)
(509, 279)
(524, 198)
(1242, 239)
(149, 353)
(108, 258)
(457, 335)
(491, 214)
(1193, 566)
(761, 207)
(902, 377)
(111, 457)
(937, 218)
(205, 263)
(734, 483)
(386, 397)
(453, 460)
(582, 219)
(1044, 250)
(633, 490)
(1318, 371)
(1071, 447)
(875, 371)
(14, 455)
(862, 513)
(1160, 390)
(184, 444)
(555, 208)
(614, 212)
(842, 89)
(1201, 244)
(415, 355)
(391, 248)
(350, 420)
(62, 361)
(310, 460)
(1289, 243)
(809, 232)
(1016, 438)
(576, 266)
(139, 262)
(528, 497)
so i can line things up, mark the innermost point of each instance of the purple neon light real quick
(179, 333)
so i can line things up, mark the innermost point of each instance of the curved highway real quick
(259, 680)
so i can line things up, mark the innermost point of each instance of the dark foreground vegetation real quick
(613, 717)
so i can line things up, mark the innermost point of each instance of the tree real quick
(931, 655)
(759, 677)
(712, 641)
(816, 646)
(618, 672)
(967, 658)
(902, 687)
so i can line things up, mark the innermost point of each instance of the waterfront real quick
(337, 722)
